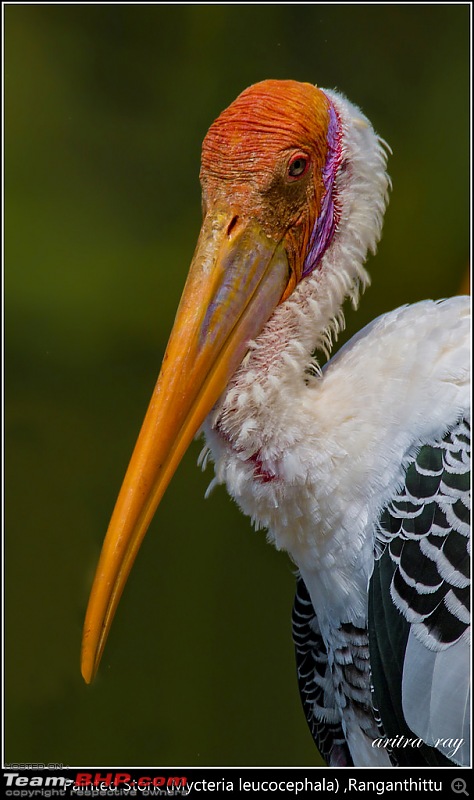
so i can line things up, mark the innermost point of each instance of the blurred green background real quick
(105, 109)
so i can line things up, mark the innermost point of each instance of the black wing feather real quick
(421, 576)
(314, 682)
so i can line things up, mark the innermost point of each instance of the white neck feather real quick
(312, 316)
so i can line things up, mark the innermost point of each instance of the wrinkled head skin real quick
(266, 154)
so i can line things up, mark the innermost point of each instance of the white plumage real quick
(314, 456)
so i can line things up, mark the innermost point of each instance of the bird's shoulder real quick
(431, 333)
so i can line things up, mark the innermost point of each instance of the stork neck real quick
(306, 323)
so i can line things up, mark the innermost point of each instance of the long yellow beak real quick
(237, 277)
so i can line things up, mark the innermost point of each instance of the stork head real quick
(270, 169)
(271, 158)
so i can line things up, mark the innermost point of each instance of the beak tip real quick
(88, 663)
(88, 672)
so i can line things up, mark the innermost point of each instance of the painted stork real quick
(358, 469)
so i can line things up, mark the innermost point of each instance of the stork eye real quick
(298, 166)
